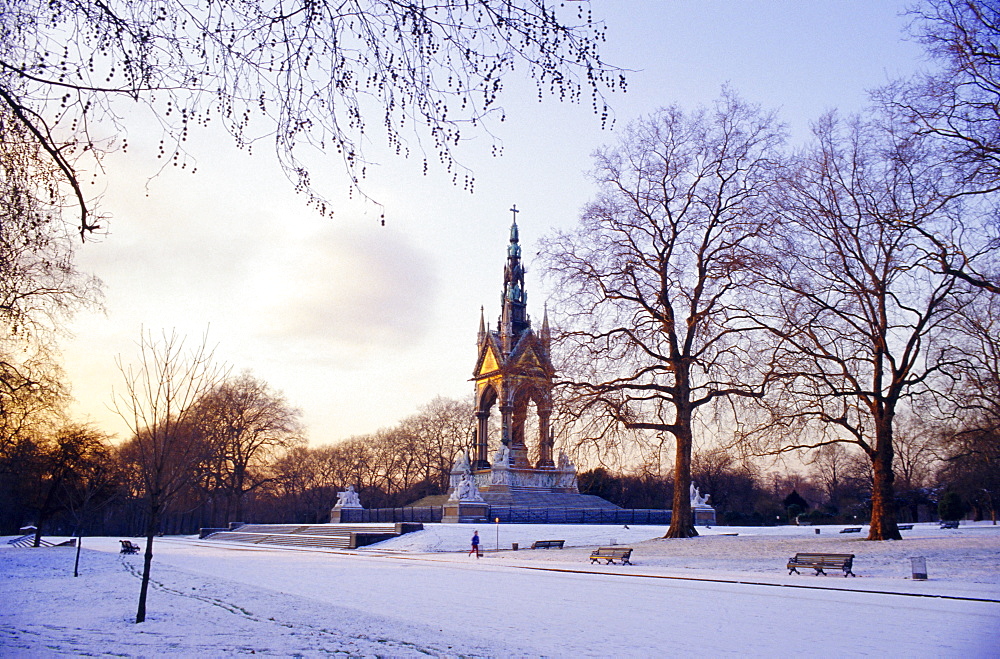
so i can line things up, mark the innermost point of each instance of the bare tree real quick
(976, 345)
(157, 401)
(32, 401)
(311, 75)
(733, 486)
(246, 425)
(839, 474)
(40, 288)
(66, 461)
(39, 285)
(442, 428)
(916, 459)
(862, 297)
(971, 446)
(958, 105)
(653, 324)
(306, 481)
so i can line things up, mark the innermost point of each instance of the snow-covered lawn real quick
(421, 594)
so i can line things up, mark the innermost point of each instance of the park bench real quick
(905, 527)
(611, 554)
(950, 525)
(547, 544)
(821, 562)
(851, 529)
(128, 547)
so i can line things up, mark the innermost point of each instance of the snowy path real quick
(560, 614)
(225, 600)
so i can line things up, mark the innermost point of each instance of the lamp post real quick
(497, 520)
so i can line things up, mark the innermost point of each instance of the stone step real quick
(521, 499)
(338, 536)
(317, 529)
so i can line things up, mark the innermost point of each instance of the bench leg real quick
(792, 570)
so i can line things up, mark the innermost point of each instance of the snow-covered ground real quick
(422, 594)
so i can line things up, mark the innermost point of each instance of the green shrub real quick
(951, 508)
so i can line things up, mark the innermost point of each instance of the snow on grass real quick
(47, 612)
(421, 594)
(968, 555)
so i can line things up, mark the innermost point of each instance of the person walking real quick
(475, 544)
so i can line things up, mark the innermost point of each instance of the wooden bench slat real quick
(821, 562)
(546, 544)
(612, 554)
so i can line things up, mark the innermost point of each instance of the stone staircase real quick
(28, 540)
(529, 498)
(330, 536)
(518, 498)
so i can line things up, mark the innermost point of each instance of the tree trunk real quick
(46, 510)
(154, 522)
(681, 519)
(883, 523)
(237, 494)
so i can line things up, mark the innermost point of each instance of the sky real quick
(359, 324)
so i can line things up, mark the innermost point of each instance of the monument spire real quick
(514, 316)
(482, 328)
(545, 335)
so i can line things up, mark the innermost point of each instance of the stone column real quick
(481, 459)
(544, 439)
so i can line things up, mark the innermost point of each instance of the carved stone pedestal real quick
(347, 502)
(703, 515)
(465, 511)
(339, 516)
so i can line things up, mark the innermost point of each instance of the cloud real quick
(354, 288)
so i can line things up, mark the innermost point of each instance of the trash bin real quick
(817, 531)
(918, 565)
(513, 546)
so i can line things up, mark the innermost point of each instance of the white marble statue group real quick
(465, 489)
(348, 498)
(502, 457)
(697, 499)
